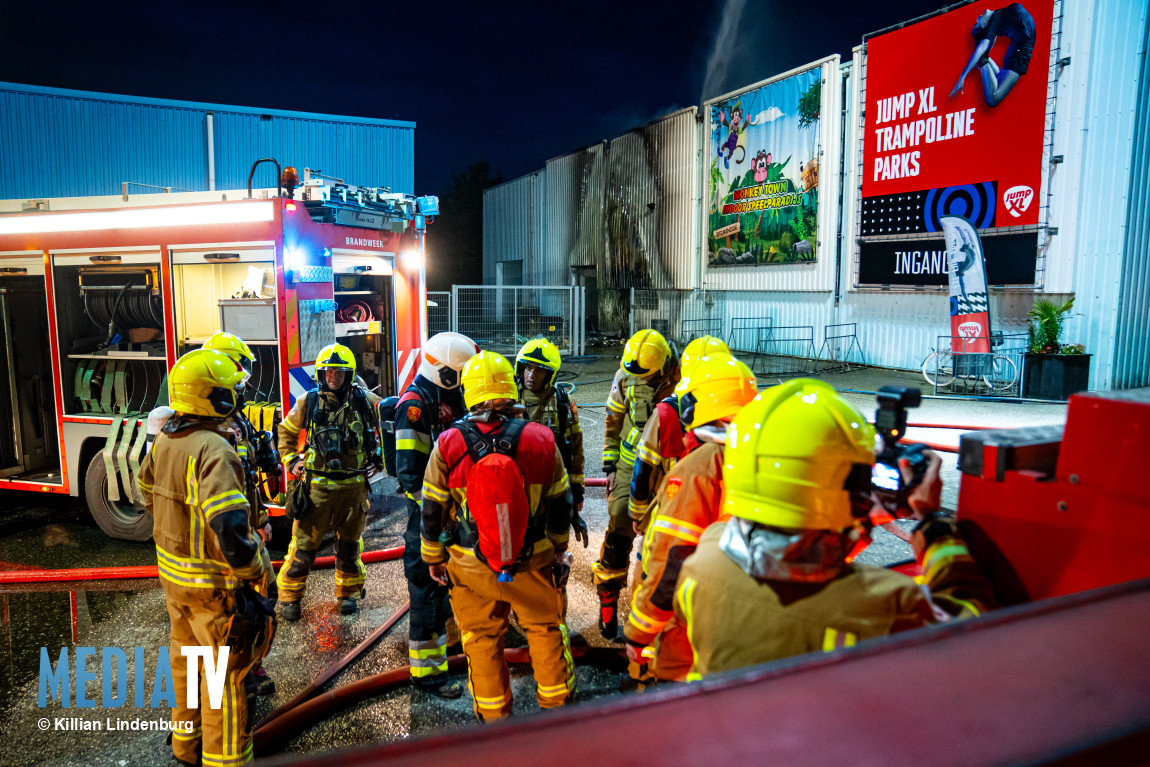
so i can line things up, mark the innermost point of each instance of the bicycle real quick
(998, 372)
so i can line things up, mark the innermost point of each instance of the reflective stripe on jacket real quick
(690, 499)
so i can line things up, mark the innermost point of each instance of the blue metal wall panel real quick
(1112, 96)
(1132, 342)
(359, 153)
(61, 143)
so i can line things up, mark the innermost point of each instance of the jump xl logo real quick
(1017, 199)
(969, 331)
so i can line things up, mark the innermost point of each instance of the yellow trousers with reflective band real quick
(338, 507)
(222, 737)
(482, 605)
(615, 552)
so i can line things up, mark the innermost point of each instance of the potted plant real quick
(1052, 370)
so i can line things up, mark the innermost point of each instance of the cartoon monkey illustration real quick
(736, 125)
(761, 163)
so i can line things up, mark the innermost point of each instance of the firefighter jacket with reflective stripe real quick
(690, 499)
(334, 416)
(662, 443)
(544, 409)
(423, 413)
(629, 406)
(734, 620)
(193, 485)
(445, 489)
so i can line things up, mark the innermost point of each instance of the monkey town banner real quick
(954, 125)
(764, 173)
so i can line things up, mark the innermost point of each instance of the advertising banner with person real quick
(969, 302)
(764, 173)
(954, 125)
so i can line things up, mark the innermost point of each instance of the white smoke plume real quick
(723, 49)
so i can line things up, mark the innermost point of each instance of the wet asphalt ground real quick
(51, 532)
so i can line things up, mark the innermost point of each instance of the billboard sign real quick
(764, 173)
(954, 125)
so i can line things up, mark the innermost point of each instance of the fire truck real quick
(99, 296)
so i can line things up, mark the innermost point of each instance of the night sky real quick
(512, 83)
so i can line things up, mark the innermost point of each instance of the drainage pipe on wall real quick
(211, 153)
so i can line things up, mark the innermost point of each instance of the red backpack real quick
(496, 497)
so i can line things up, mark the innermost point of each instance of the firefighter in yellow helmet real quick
(496, 518)
(261, 462)
(342, 448)
(772, 582)
(536, 368)
(250, 441)
(647, 374)
(712, 391)
(216, 575)
(664, 439)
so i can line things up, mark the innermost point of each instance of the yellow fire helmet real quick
(789, 453)
(646, 354)
(488, 376)
(233, 346)
(699, 348)
(541, 352)
(335, 357)
(203, 382)
(715, 388)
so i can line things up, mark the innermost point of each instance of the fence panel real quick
(438, 311)
(503, 318)
(841, 350)
(782, 351)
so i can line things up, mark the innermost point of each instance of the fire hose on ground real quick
(151, 571)
(289, 720)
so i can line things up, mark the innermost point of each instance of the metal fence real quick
(680, 315)
(438, 311)
(503, 318)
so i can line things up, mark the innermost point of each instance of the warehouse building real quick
(804, 244)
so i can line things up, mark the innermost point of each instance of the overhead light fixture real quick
(245, 212)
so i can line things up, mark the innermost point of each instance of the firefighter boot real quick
(348, 606)
(608, 610)
(290, 611)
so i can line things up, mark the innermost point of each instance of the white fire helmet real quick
(444, 356)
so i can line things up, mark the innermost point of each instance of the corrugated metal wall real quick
(1132, 342)
(63, 143)
(507, 226)
(1112, 99)
(651, 204)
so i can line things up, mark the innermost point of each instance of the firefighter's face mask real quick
(448, 377)
(329, 443)
(224, 401)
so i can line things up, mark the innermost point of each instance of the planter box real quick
(1055, 376)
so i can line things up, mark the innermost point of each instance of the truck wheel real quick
(119, 519)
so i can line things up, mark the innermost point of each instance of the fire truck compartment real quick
(364, 322)
(29, 443)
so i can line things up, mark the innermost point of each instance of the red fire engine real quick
(100, 296)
